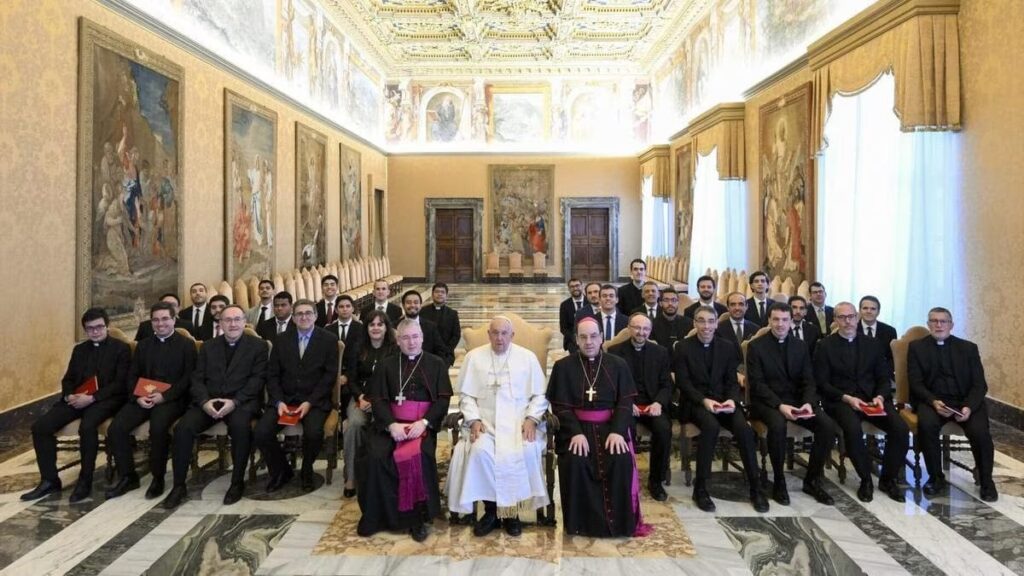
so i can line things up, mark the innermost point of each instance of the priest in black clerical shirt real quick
(396, 470)
(446, 317)
(592, 395)
(168, 358)
(670, 326)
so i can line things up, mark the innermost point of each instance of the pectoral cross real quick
(590, 394)
(400, 398)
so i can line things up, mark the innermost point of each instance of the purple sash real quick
(407, 455)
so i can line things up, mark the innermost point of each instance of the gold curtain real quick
(722, 128)
(916, 40)
(655, 162)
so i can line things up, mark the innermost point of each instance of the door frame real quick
(430, 207)
(566, 206)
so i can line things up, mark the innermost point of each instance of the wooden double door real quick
(589, 246)
(453, 247)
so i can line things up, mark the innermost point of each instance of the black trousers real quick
(976, 428)
(897, 439)
(661, 445)
(823, 428)
(194, 423)
(710, 427)
(44, 431)
(312, 439)
(161, 417)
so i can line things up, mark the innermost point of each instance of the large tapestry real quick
(351, 203)
(310, 197)
(250, 172)
(129, 175)
(787, 186)
(684, 205)
(521, 199)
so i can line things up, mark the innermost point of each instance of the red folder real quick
(291, 416)
(88, 386)
(643, 408)
(872, 410)
(145, 387)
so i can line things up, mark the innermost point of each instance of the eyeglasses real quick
(97, 328)
(938, 321)
(304, 314)
(232, 319)
(846, 317)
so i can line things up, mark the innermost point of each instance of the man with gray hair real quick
(501, 386)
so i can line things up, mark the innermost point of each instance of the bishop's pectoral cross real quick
(400, 398)
(590, 394)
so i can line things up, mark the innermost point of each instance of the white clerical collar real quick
(708, 303)
(851, 339)
(164, 339)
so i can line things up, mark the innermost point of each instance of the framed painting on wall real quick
(521, 199)
(787, 187)
(519, 114)
(351, 203)
(129, 195)
(684, 205)
(250, 172)
(310, 197)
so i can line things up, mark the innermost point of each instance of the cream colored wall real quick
(991, 42)
(414, 178)
(38, 123)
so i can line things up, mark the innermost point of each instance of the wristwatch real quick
(425, 422)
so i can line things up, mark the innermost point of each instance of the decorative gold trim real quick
(656, 151)
(716, 115)
(778, 76)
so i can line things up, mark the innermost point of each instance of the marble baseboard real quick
(16, 423)
(1005, 413)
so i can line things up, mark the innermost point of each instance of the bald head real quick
(639, 328)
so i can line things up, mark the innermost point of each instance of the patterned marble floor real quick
(294, 533)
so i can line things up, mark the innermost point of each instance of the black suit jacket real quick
(171, 362)
(692, 309)
(447, 320)
(204, 331)
(667, 332)
(386, 382)
(775, 379)
(566, 321)
(433, 343)
(725, 331)
(353, 340)
(642, 309)
(885, 334)
(812, 317)
(321, 312)
(267, 329)
(654, 383)
(629, 297)
(835, 377)
(294, 380)
(753, 314)
(241, 381)
(145, 329)
(811, 335)
(620, 322)
(696, 382)
(393, 311)
(924, 373)
(110, 367)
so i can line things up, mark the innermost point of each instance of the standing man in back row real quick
(446, 317)
(759, 303)
(631, 294)
(381, 293)
(567, 311)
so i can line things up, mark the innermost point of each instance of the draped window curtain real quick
(887, 209)
(719, 238)
(658, 236)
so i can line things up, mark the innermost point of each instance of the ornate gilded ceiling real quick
(473, 37)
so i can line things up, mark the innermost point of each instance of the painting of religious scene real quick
(310, 197)
(443, 116)
(787, 24)
(129, 175)
(787, 186)
(519, 113)
(351, 203)
(250, 172)
(593, 116)
(363, 98)
(684, 206)
(521, 201)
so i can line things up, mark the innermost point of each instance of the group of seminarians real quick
(598, 397)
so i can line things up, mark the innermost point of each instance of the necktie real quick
(798, 333)
(380, 307)
(263, 312)
(578, 304)
(871, 332)
(650, 313)
(281, 325)
(739, 332)
(195, 321)
(761, 313)
(330, 312)
(216, 330)
(608, 328)
(344, 331)
(303, 340)
(821, 320)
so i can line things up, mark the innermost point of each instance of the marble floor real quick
(294, 533)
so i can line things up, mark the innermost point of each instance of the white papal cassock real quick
(501, 391)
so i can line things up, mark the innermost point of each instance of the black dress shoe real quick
(83, 490)
(779, 493)
(278, 481)
(893, 490)
(363, 531)
(419, 532)
(156, 488)
(234, 493)
(44, 488)
(349, 492)
(175, 498)
(989, 492)
(513, 527)
(758, 501)
(935, 486)
(123, 486)
(866, 491)
(307, 481)
(657, 492)
(486, 524)
(814, 490)
(703, 500)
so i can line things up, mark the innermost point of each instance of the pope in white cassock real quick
(499, 462)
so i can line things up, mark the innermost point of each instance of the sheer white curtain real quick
(658, 235)
(719, 238)
(887, 209)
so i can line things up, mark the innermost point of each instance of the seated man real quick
(100, 360)
(227, 385)
(432, 340)
(737, 328)
(852, 375)
(947, 383)
(280, 321)
(706, 288)
(781, 380)
(397, 469)
(446, 317)
(670, 326)
(649, 364)
(168, 358)
(301, 372)
(705, 369)
(145, 329)
(650, 294)
(592, 395)
(503, 404)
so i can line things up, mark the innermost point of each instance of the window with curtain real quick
(658, 235)
(719, 238)
(887, 202)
